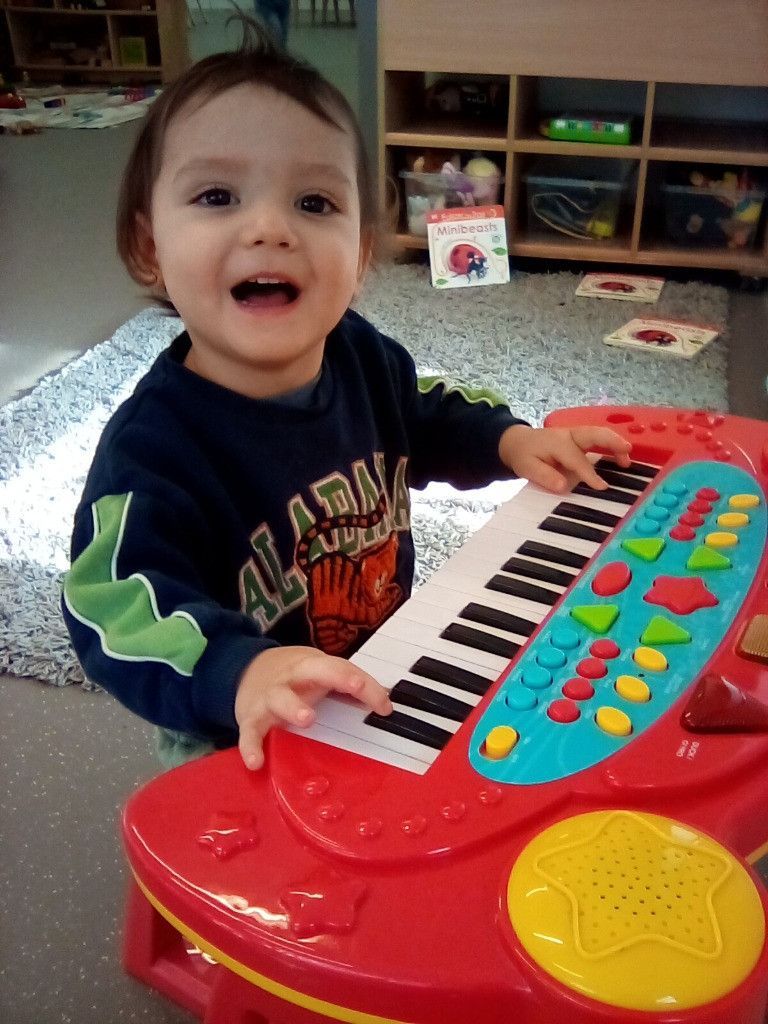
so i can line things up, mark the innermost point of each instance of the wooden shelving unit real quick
(54, 41)
(710, 68)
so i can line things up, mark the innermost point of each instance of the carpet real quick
(531, 340)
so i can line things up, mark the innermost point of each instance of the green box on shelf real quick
(613, 131)
(133, 51)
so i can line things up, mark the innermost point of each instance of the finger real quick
(590, 438)
(287, 706)
(576, 463)
(538, 472)
(251, 741)
(363, 687)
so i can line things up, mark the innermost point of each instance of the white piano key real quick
(511, 534)
(405, 654)
(533, 502)
(448, 604)
(483, 565)
(415, 634)
(393, 753)
(474, 589)
(435, 619)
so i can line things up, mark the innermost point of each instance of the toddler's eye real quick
(316, 203)
(215, 197)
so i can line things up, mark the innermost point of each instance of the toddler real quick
(245, 523)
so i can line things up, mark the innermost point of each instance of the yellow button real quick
(721, 540)
(744, 501)
(648, 657)
(500, 741)
(732, 519)
(632, 688)
(613, 721)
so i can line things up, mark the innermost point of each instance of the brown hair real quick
(261, 62)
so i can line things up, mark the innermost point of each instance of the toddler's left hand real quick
(544, 455)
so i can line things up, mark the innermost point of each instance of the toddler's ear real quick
(145, 262)
(364, 259)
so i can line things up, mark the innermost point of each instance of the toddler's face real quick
(256, 232)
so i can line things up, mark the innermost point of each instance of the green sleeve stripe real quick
(471, 395)
(124, 613)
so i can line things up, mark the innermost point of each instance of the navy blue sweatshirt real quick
(213, 526)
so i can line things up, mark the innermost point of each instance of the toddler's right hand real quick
(281, 685)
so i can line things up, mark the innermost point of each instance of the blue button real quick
(536, 677)
(675, 487)
(521, 699)
(659, 515)
(667, 500)
(647, 526)
(564, 638)
(551, 657)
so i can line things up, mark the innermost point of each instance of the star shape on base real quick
(681, 594)
(324, 902)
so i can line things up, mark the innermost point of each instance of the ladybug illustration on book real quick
(617, 286)
(468, 259)
(655, 337)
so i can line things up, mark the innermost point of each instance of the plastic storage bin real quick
(722, 210)
(427, 192)
(577, 198)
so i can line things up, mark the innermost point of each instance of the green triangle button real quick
(647, 548)
(707, 558)
(661, 630)
(597, 617)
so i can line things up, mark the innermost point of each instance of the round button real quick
(521, 698)
(691, 519)
(592, 668)
(700, 506)
(703, 435)
(667, 500)
(613, 721)
(564, 638)
(536, 677)
(563, 711)
(658, 426)
(578, 689)
(551, 657)
(605, 649)
(676, 487)
(685, 428)
(657, 513)
(743, 501)
(647, 526)
(500, 741)
(635, 428)
(682, 532)
(724, 455)
(721, 540)
(651, 659)
(632, 688)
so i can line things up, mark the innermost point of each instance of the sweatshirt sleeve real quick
(141, 621)
(454, 430)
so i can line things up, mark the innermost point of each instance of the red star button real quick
(324, 902)
(681, 594)
(229, 834)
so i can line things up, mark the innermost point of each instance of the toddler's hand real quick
(549, 456)
(281, 685)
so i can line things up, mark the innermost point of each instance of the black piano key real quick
(451, 675)
(421, 698)
(499, 620)
(567, 528)
(481, 641)
(521, 588)
(609, 494)
(619, 479)
(399, 724)
(586, 514)
(636, 468)
(537, 571)
(534, 549)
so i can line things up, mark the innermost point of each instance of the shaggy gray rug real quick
(532, 340)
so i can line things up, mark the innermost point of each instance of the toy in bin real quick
(434, 183)
(578, 198)
(712, 206)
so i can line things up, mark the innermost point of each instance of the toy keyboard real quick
(559, 818)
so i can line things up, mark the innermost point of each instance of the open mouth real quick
(265, 293)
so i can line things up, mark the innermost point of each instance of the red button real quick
(592, 668)
(724, 455)
(579, 689)
(635, 428)
(682, 533)
(658, 426)
(612, 579)
(685, 428)
(701, 506)
(563, 711)
(708, 494)
(691, 519)
(703, 435)
(605, 649)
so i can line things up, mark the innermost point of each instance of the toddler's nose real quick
(268, 226)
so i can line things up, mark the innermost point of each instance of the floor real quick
(70, 758)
